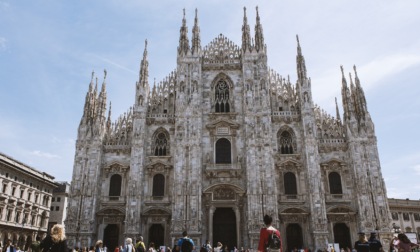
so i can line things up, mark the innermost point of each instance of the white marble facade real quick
(222, 140)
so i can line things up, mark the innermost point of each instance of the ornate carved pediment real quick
(221, 51)
(223, 126)
(289, 164)
(341, 209)
(111, 212)
(116, 168)
(334, 165)
(153, 211)
(223, 192)
(294, 210)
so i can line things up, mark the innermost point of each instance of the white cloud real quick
(44, 154)
(384, 67)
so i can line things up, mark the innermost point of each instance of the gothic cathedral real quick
(217, 144)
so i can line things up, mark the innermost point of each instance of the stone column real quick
(211, 213)
(238, 220)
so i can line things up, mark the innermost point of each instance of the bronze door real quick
(224, 227)
(111, 234)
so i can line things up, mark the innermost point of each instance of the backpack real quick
(274, 242)
(186, 245)
(140, 247)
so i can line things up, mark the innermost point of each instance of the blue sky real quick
(48, 50)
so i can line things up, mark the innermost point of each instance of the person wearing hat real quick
(374, 244)
(362, 245)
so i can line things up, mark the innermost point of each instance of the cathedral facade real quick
(219, 143)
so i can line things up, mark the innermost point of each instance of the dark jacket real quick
(12, 249)
(47, 245)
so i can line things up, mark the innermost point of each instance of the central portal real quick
(224, 227)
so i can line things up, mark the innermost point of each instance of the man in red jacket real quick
(265, 234)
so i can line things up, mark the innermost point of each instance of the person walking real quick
(9, 247)
(140, 247)
(185, 243)
(403, 244)
(269, 235)
(55, 241)
(374, 244)
(129, 245)
(362, 245)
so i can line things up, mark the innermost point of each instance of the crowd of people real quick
(270, 241)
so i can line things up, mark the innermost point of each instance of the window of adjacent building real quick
(158, 185)
(221, 98)
(51, 208)
(17, 215)
(406, 217)
(7, 175)
(161, 144)
(416, 216)
(290, 187)
(13, 191)
(25, 219)
(33, 220)
(57, 208)
(36, 198)
(115, 187)
(285, 143)
(223, 151)
(21, 193)
(394, 216)
(1, 213)
(335, 183)
(58, 199)
(29, 196)
(53, 199)
(4, 188)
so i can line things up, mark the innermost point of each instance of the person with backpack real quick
(140, 247)
(270, 239)
(185, 243)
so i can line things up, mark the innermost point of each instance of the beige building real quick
(218, 143)
(25, 199)
(59, 201)
(405, 215)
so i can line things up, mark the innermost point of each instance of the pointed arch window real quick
(221, 98)
(290, 187)
(115, 187)
(161, 144)
(223, 151)
(158, 185)
(285, 142)
(335, 183)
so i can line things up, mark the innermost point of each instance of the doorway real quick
(294, 237)
(224, 227)
(342, 235)
(111, 234)
(157, 235)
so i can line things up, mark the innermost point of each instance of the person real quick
(374, 244)
(35, 245)
(219, 247)
(187, 247)
(152, 247)
(91, 249)
(129, 245)
(362, 245)
(55, 241)
(176, 248)
(99, 246)
(208, 246)
(265, 234)
(9, 247)
(140, 247)
(403, 244)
